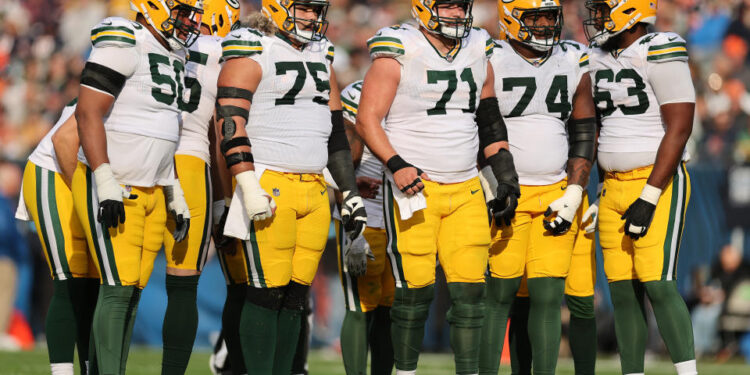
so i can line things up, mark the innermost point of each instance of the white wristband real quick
(249, 183)
(575, 190)
(651, 194)
(107, 187)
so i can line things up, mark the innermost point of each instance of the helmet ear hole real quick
(629, 11)
(153, 6)
(221, 20)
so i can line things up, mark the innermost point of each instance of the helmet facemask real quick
(453, 27)
(597, 27)
(306, 29)
(539, 37)
(184, 23)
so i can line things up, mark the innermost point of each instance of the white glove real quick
(565, 207)
(353, 214)
(178, 208)
(110, 193)
(258, 204)
(593, 212)
(356, 253)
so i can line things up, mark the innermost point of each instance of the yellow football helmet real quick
(282, 13)
(515, 14)
(221, 16)
(608, 18)
(178, 21)
(427, 14)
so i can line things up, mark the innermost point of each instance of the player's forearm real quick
(65, 142)
(579, 170)
(493, 148)
(93, 137)
(375, 138)
(355, 143)
(679, 120)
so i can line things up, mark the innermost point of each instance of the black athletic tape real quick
(503, 167)
(234, 142)
(337, 141)
(411, 185)
(341, 166)
(238, 157)
(582, 137)
(225, 111)
(296, 297)
(490, 124)
(396, 163)
(100, 77)
(234, 93)
(270, 298)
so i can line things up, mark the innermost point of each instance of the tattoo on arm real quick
(578, 171)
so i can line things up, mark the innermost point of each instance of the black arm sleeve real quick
(581, 137)
(101, 78)
(490, 123)
(340, 162)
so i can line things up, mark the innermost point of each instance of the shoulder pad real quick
(663, 47)
(350, 100)
(329, 48)
(489, 43)
(114, 32)
(387, 43)
(244, 42)
(577, 53)
(205, 48)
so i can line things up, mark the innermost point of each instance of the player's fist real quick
(220, 211)
(565, 207)
(407, 177)
(593, 212)
(368, 187)
(258, 204)
(179, 210)
(356, 254)
(353, 214)
(639, 215)
(504, 205)
(110, 195)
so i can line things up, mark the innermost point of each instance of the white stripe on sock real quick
(686, 368)
(65, 368)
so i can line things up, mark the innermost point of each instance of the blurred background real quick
(43, 46)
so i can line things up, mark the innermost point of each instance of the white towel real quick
(22, 213)
(407, 204)
(238, 223)
(489, 183)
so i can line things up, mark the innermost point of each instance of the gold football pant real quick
(49, 202)
(452, 227)
(653, 256)
(376, 287)
(191, 253)
(124, 255)
(288, 246)
(582, 274)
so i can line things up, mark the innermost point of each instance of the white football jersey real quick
(369, 166)
(201, 73)
(290, 121)
(625, 99)
(44, 154)
(536, 102)
(143, 126)
(431, 121)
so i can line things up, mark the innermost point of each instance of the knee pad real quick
(297, 296)
(270, 298)
(467, 304)
(411, 306)
(580, 307)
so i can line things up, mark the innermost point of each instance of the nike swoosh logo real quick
(237, 35)
(323, 192)
(475, 191)
(351, 96)
(672, 38)
(107, 23)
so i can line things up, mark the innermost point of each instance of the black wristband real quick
(396, 163)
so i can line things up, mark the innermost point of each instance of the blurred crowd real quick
(44, 43)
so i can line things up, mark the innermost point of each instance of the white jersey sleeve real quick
(201, 74)
(44, 154)
(436, 100)
(114, 43)
(350, 100)
(242, 43)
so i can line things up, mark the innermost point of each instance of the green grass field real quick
(147, 361)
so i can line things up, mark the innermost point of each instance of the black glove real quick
(111, 213)
(638, 218)
(223, 243)
(508, 190)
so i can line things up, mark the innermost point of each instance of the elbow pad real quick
(581, 137)
(101, 78)
(490, 123)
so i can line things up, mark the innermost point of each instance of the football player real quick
(282, 75)
(128, 118)
(185, 259)
(434, 86)
(545, 97)
(368, 285)
(645, 97)
(47, 200)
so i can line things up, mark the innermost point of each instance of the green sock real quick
(299, 364)
(287, 335)
(381, 346)
(85, 292)
(354, 343)
(545, 297)
(60, 325)
(672, 318)
(180, 323)
(230, 321)
(110, 326)
(582, 333)
(630, 324)
(408, 314)
(465, 316)
(258, 337)
(130, 322)
(93, 367)
(500, 295)
(518, 337)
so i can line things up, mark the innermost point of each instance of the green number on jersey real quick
(174, 83)
(322, 85)
(529, 83)
(559, 88)
(434, 76)
(192, 83)
(637, 91)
